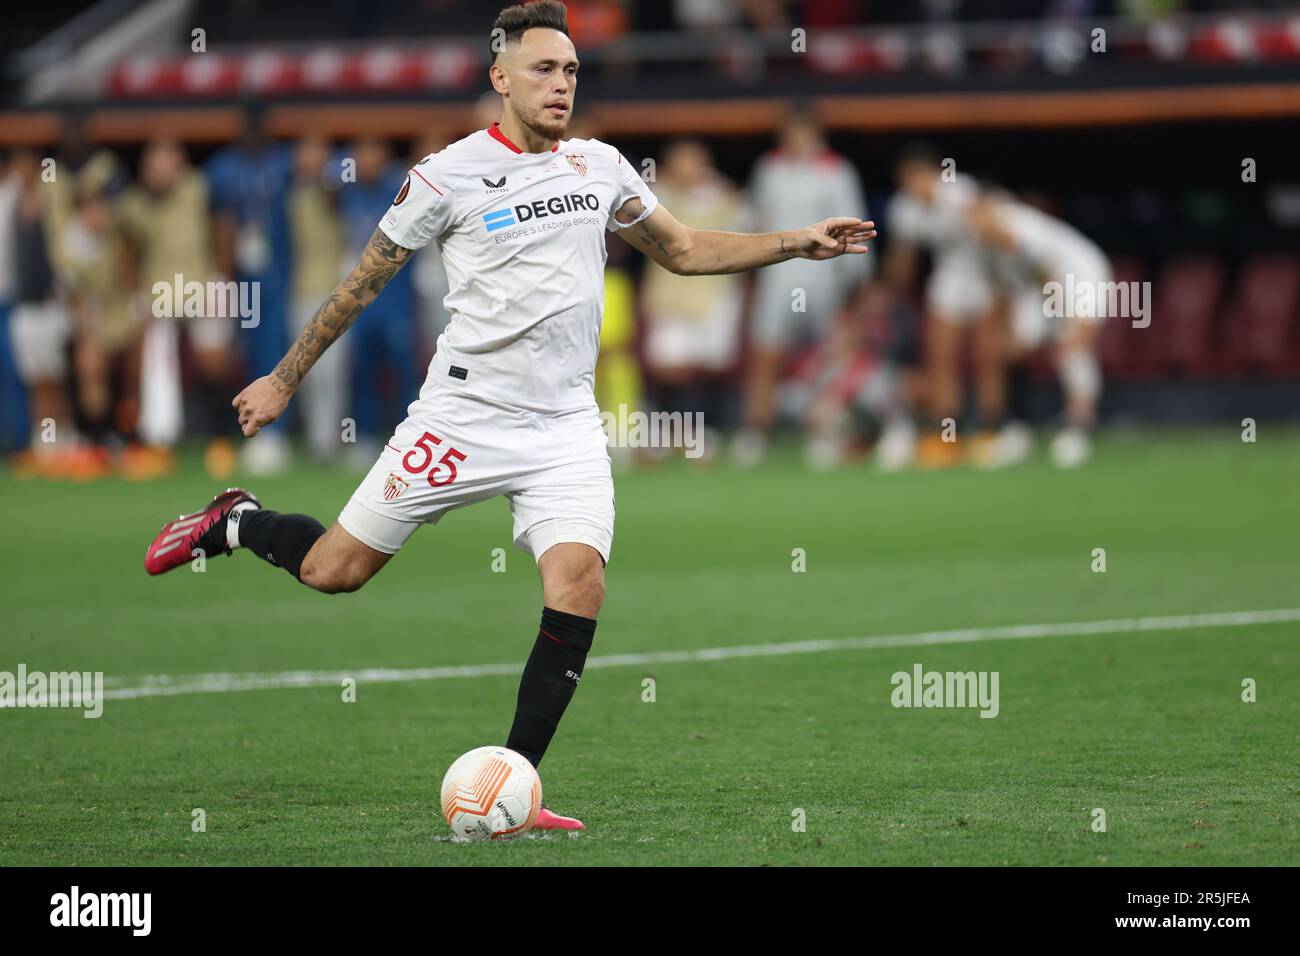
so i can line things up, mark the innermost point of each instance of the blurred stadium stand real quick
(1140, 146)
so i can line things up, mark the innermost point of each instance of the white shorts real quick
(1031, 323)
(40, 332)
(456, 449)
(712, 342)
(212, 333)
(960, 288)
(776, 324)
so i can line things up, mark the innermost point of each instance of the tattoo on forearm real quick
(380, 261)
(650, 240)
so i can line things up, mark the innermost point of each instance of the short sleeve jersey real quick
(941, 226)
(522, 238)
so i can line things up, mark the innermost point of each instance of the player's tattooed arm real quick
(380, 261)
(688, 251)
(264, 400)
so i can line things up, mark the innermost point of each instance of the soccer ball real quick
(491, 793)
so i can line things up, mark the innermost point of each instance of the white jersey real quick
(940, 226)
(788, 192)
(960, 288)
(1049, 246)
(522, 237)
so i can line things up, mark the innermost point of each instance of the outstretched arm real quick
(687, 251)
(264, 400)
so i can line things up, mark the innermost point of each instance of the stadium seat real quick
(1187, 296)
(1127, 354)
(1260, 331)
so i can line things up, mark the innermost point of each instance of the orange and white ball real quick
(491, 793)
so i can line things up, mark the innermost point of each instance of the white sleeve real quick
(421, 210)
(760, 191)
(628, 185)
(856, 267)
(906, 220)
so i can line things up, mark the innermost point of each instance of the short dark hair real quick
(916, 153)
(515, 21)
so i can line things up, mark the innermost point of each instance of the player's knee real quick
(583, 591)
(594, 587)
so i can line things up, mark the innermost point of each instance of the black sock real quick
(1019, 389)
(281, 539)
(550, 678)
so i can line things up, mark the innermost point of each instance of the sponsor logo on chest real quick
(540, 209)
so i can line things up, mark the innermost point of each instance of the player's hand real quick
(260, 404)
(843, 235)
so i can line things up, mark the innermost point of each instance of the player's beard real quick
(539, 123)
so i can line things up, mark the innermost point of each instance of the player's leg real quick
(1077, 362)
(335, 563)
(385, 510)
(990, 347)
(573, 587)
(1080, 373)
(330, 561)
(764, 373)
(1022, 327)
(564, 517)
(942, 358)
(40, 331)
(959, 293)
(770, 333)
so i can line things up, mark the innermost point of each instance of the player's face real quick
(919, 179)
(542, 79)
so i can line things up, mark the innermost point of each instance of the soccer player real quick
(519, 215)
(799, 301)
(931, 210)
(1058, 279)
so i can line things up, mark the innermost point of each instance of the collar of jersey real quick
(495, 132)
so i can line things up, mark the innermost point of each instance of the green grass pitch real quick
(1148, 726)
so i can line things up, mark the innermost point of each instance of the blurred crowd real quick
(594, 22)
(109, 358)
(102, 349)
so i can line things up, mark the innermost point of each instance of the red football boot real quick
(205, 530)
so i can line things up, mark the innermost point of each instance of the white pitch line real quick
(169, 685)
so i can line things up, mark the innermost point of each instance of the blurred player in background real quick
(107, 324)
(40, 325)
(796, 301)
(692, 336)
(859, 384)
(383, 367)
(320, 259)
(520, 215)
(931, 212)
(248, 185)
(1052, 269)
(13, 397)
(166, 220)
